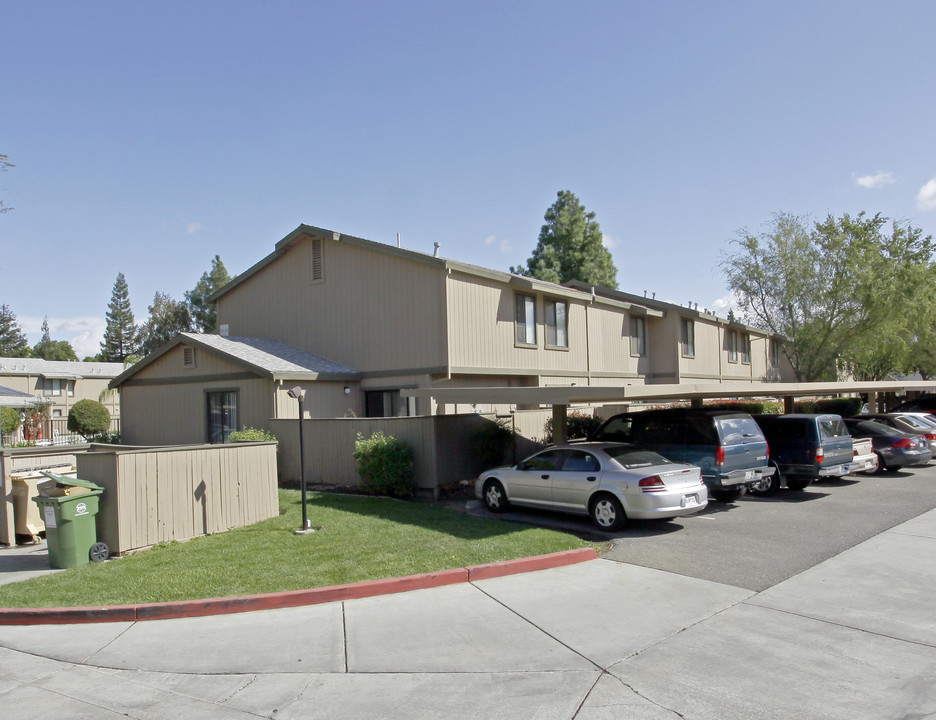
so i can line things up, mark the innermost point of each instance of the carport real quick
(560, 397)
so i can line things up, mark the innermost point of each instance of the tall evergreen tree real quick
(13, 341)
(570, 247)
(204, 314)
(167, 318)
(121, 336)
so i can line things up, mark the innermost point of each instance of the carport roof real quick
(568, 394)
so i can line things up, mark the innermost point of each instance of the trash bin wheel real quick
(99, 552)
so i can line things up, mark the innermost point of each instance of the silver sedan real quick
(610, 482)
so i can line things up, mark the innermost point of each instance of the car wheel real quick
(607, 513)
(881, 468)
(495, 499)
(729, 495)
(799, 483)
(767, 486)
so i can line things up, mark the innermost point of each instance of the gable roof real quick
(443, 264)
(16, 399)
(264, 356)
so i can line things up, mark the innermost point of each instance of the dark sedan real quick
(894, 448)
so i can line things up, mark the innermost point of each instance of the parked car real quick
(894, 448)
(924, 403)
(803, 448)
(611, 482)
(728, 445)
(864, 455)
(908, 423)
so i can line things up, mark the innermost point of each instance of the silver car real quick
(611, 482)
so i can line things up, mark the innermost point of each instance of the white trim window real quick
(745, 349)
(526, 319)
(638, 336)
(557, 323)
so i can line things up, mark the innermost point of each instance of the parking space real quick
(755, 543)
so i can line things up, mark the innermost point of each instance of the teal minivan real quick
(805, 447)
(727, 445)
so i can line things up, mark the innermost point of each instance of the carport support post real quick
(788, 404)
(560, 424)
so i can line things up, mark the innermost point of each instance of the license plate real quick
(844, 469)
(750, 475)
(690, 500)
(868, 464)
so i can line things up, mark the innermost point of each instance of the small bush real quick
(492, 442)
(251, 434)
(754, 407)
(88, 418)
(578, 425)
(9, 420)
(385, 464)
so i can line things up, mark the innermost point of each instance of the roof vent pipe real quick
(435, 253)
(654, 296)
(398, 240)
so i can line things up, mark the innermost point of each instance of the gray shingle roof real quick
(268, 355)
(59, 368)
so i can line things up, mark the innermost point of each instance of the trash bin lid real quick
(62, 480)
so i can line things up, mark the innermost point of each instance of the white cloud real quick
(84, 333)
(926, 198)
(609, 242)
(504, 246)
(723, 305)
(193, 227)
(878, 180)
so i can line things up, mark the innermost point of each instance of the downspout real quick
(588, 339)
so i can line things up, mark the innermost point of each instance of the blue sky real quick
(148, 137)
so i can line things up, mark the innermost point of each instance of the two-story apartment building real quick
(354, 322)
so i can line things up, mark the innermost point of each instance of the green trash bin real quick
(71, 529)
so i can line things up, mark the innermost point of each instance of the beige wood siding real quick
(155, 496)
(371, 311)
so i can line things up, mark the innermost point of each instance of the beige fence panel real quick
(176, 493)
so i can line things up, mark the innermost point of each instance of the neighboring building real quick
(389, 319)
(62, 383)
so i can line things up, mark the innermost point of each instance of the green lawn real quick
(362, 538)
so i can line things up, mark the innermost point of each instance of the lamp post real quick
(299, 394)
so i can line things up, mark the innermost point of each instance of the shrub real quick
(846, 407)
(251, 434)
(578, 425)
(88, 418)
(9, 420)
(385, 464)
(492, 441)
(754, 407)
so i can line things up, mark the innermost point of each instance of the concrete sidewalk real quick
(853, 637)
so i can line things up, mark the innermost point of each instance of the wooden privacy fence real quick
(443, 446)
(155, 495)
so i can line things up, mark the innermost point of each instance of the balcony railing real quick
(53, 432)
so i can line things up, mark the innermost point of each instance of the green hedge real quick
(578, 425)
(9, 420)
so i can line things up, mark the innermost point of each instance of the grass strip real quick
(362, 538)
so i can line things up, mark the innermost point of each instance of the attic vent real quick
(188, 357)
(318, 273)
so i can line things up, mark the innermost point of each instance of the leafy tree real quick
(49, 349)
(9, 420)
(844, 291)
(570, 247)
(89, 418)
(5, 164)
(167, 318)
(13, 341)
(121, 335)
(204, 314)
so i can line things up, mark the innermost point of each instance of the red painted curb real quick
(539, 562)
(290, 598)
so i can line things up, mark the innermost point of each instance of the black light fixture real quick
(299, 394)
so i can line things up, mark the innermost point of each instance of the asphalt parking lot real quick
(755, 543)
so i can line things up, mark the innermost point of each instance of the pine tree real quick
(49, 349)
(13, 341)
(204, 314)
(570, 247)
(167, 318)
(121, 336)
